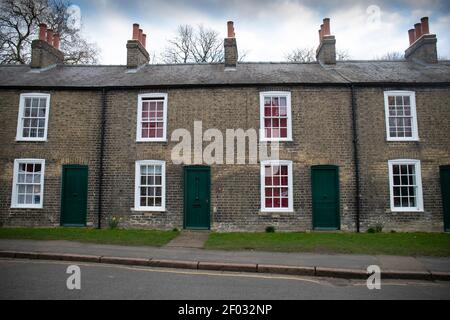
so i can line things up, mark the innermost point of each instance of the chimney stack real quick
(326, 53)
(230, 46)
(137, 55)
(422, 43)
(45, 50)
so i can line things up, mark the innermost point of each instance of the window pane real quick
(405, 195)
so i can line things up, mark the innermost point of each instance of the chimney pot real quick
(230, 29)
(135, 31)
(326, 27)
(140, 35)
(50, 36)
(418, 30)
(42, 31)
(425, 25)
(144, 39)
(412, 36)
(320, 35)
(56, 40)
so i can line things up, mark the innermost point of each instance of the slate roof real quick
(248, 73)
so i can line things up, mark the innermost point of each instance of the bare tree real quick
(342, 55)
(19, 20)
(392, 56)
(302, 55)
(179, 49)
(207, 46)
(306, 55)
(194, 45)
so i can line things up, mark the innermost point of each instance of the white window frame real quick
(290, 186)
(19, 134)
(286, 94)
(139, 117)
(15, 194)
(137, 179)
(415, 128)
(419, 196)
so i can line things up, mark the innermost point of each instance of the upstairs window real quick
(33, 117)
(150, 185)
(405, 185)
(275, 123)
(401, 118)
(28, 183)
(152, 117)
(276, 186)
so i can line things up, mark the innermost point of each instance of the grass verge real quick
(403, 244)
(153, 238)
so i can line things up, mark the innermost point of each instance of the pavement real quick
(45, 279)
(189, 239)
(310, 264)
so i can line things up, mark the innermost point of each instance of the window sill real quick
(276, 140)
(152, 140)
(160, 209)
(30, 140)
(403, 210)
(265, 211)
(26, 207)
(403, 140)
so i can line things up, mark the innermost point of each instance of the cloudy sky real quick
(266, 29)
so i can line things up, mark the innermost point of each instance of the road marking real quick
(164, 270)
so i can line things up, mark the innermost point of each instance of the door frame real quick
(441, 183)
(186, 169)
(338, 196)
(63, 181)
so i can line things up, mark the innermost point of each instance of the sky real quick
(267, 30)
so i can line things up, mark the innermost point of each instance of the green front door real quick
(74, 195)
(445, 187)
(325, 197)
(197, 197)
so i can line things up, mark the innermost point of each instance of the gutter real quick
(102, 152)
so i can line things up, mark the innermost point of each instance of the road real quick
(37, 279)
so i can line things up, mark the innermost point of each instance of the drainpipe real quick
(102, 148)
(356, 158)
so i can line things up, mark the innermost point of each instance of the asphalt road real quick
(34, 279)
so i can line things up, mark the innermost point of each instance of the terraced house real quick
(361, 143)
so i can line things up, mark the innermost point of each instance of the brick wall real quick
(321, 134)
(433, 150)
(73, 138)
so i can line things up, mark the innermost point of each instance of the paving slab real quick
(189, 239)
